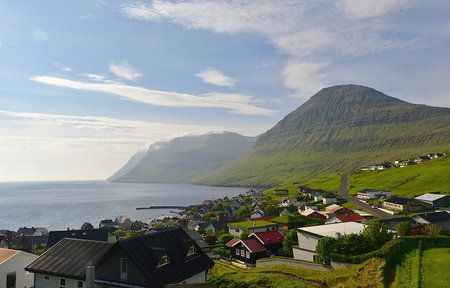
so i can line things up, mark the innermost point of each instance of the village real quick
(305, 228)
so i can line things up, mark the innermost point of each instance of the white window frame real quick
(192, 250)
(78, 284)
(247, 255)
(62, 285)
(237, 252)
(243, 253)
(167, 260)
(46, 277)
(123, 275)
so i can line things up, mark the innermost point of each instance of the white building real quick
(370, 194)
(308, 237)
(12, 268)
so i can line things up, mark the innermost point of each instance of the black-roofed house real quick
(86, 226)
(154, 260)
(65, 264)
(441, 218)
(392, 223)
(401, 204)
(88, 234)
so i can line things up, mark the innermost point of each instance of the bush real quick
(222, 251)
(210, 239)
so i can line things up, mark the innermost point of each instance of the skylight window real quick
(164, 260)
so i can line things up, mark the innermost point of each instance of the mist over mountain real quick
(338, 129)
(183, 159)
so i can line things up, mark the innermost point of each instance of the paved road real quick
(343, 192)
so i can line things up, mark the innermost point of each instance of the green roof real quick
(251, 224)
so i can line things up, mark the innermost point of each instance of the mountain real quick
(338, 129)
(183, 159)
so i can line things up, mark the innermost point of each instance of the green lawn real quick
(407, 271)
(279, 276)
(436, 267)
(431, 176)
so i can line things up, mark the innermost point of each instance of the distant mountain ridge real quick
(183, 159)
(338, 129)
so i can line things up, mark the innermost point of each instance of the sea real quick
(68, 204)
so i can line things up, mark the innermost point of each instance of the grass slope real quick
(368, 274)
(435, 267)
(431, 176)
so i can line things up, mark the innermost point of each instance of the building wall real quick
(304, 255)
(196, 279)
(307, 241)
(109, 269)
(17, 264)
(53, 282)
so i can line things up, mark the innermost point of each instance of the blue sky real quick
(85, 84)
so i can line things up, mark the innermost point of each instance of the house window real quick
(192, 250)
(46, 278)
(79, 284)
(237, 252)
(268, 252)
(247, 254)
(62, 282)
(123, 268)
(243, 253)
(164, 260)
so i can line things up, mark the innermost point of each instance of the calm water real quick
(59, 205)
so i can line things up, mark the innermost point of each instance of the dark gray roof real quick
(87, 225)
(88, 234)
(146, 251)
(441, 218)
(393, 222)
(399, 200)
(69, 258)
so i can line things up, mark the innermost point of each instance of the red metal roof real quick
(269, 237)
(253, 245)
(232, 242)
(349, 217)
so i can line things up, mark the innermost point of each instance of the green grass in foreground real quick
(431, 176)
(368, 274)
(407, 271)
(436, 267)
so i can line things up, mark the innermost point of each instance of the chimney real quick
(90, 277)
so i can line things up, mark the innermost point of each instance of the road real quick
(343, 192)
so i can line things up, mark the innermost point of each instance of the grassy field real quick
(368, 274)
(407, 271)
(436, 267)
(431, 176)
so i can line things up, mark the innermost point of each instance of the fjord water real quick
(68, 204)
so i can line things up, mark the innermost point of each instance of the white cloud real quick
(124, 70)
(360, 9)
(307, 31)
(66, 69)
(215, 77)
(140, 11)
(305, 78)
(160, 98)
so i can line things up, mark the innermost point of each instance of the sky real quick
(86, 84)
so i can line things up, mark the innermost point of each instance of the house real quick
(123, 222)
(216, 227)
(40, 231)
(305, 206)
(308, 237)
(332, 208)
(441, 218)
(236, 229)
(257, 211)
(345, 217)
(86, 226)
(154, 260)
(109, 225)
(271, 240)
(25, 231)
(421, 159)
(4, 242)
(281, 192)
(65, 264)
(400, 204)
(30, 243)
(435, 155)
(12, 265)
(247, 251)
(313, 214)
(196, 237)
(392, 223)
(317, 197)
(329, 198)
(435, 200)
(101, 235)
(370, 194)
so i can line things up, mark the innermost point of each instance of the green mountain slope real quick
(430, 176)
(338, 129)
(183, 159)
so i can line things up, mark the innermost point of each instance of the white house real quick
(369, 194)
(308, 237)
(329, 199)
(12, 268)
(435, 200)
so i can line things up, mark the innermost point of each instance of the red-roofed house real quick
(347, 217)
(272, 241)
(247, 251)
